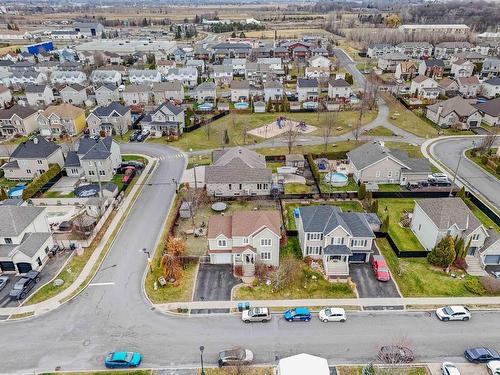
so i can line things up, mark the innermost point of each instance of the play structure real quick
(280, 126)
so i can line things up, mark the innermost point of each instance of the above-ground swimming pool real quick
(241, 105)
(336, 179)
(205, 107)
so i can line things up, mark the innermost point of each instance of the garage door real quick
(492, 259)
(357, 257)
(222, 258)
(7, 266)
(23, 267)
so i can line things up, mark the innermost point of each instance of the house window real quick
(313, 250)
(337, 240)
(475, 237)
(39, 161)
(222, 243)
(314, 236)
(102, 173)
(265, 255)
(8, 240)
(91, 173)
(28, 171)
(358, 243)
(245, 241)
(230, 186)
(265, 242)
(389, 174)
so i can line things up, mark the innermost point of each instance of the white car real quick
(453, 313)
(493, 367)
(448, 368)
(332, 314)
(257, 314)
(438, 177)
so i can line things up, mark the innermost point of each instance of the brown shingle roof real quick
(243, 224)
(64, 110)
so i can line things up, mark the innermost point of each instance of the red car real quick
(380, 268)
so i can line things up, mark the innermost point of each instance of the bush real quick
(443, 254)
(484, 159)
(491, 284)
(38, 183)
(460, 263)
(497, 169)
(474, 286)
(361, 192)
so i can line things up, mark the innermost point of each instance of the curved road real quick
(117, 316)
(448, 152)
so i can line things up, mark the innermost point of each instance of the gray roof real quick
(207, 85)
(250, 158)
(305, 82)
(72, 160)
(340, 82)
(417, 165)
(491, 107)
(90, 149)
(337, 250)
(273, 85)
(35, 88)
(456, 104)
(167, 86)
(325, 218)
(444, 212)
(240, 84)
(19, 110)
(170, 107)
(106, 111)
(434, 62)
(33, 242)
(37, 147)
(15, 219)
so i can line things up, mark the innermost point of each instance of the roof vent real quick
(35, 140)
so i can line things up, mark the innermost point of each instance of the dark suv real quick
(24, 285)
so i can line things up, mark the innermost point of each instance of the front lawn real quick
(417, 278)
(486, 167)
(403, 237)
(407, 370)
(379, 131)
(296, 188)
(412, 150)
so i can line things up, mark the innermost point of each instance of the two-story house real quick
(461, 68)
(389, 61)
(339, 89)
(60, 119)
(106, 94)
(166, 119)
(5, 96)
(138, 76)
(68, 77)
(171, 91)
(39, 95)
(206, 92)
(245, 238)
(240, 91)
(136, 94)
(469, 87)
(379, 49)
(188, 75)
(337, 238)
(222, 74)
(433, 68)
(491, 88)
(273, 90)
(32, 158)
(113, 118)
(107, 77)
(424, 88)
(17, 120)
(307, 89)
(75, 94)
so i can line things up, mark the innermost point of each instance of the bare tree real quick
(291, 134)
(328, 123)
(287, 273)
(398, 352)
(487, 143)
(121, 129)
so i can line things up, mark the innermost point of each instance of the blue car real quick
(122, 360)
(481, 355)
(300, 313)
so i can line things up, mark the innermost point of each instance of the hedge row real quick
(331, 155)
(38, 183)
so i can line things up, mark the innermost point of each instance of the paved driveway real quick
(214, 283)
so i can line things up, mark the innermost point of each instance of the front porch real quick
(246, 260)
(336, 260)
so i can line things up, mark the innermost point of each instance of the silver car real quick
(257, 314)
(238, 356)
(4, 280)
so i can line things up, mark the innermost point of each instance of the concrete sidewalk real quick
(54, 302)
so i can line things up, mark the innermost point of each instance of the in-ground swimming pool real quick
(241, 105)
(336, 179)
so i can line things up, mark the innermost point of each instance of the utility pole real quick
(195, 179)
(98, 179)
(455, 175)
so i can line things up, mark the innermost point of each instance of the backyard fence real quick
(484, 208)
(401, 253)
(198, 125)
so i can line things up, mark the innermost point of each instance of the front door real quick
(472, 251)
(249, 258)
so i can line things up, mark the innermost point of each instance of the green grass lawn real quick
(477, 160)
(403, 237)
(274, 166)
(416, 278)
(289, 208)
(7, 184)
(57, 194)
(379, 131)
(296, 188)
(339, 147)
(123, 138)
(212, 135)
(412, 150)
(205, 159)
(128, 157)
(327, 188)
(481, 216)
(389, 187)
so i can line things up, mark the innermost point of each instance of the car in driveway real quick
(481, 354)
(4, 280)
(238, 356)
(438, 178)
(257, 314)
(332, 314)
(448, 368)
(493, 367)
(122, 359)
(299, 313)
(448, 313)
(380, 268)
(24, 285)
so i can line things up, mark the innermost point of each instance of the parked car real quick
(332, 314)
(145, 132)
(133, 137)
(438, 177)
(448, 368)
(396, 354)
(140, 138)
(493, 367)
(299, 313)
(257, 314)
(453, 313)
(238, 356)
(127, 178)
(380, 268)
(132, 163)
(24, 285)
(4, 280)
(122, 359)
(481, 354)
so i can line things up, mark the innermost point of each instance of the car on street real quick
(122, 359)
(448, 368)
(4, 280)
(448, 313)
(395, 354)
(24, 285)
(332, 314)
(481, 354)
(380, 268)
(257, 314)
(237, 356)
(493, 367)
(299, 313)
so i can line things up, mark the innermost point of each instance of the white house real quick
(490, 111)
(138, 76)
(5, 96)
(273, 90)
(454, 112)
(469, 87)
(136, 94)
(379, 49)
(461, 68)
(167, 118)
(74, 94)
(112, 118)
(188, 76)
(222, 74)
(106, 94)
(491, 88)
(173, 91)
(108, 77)
(68, 77)
(240, 91)
(307, 89)
(424, 87)
(39, 95)
(339, 89)
(17, 120)
(320, 62)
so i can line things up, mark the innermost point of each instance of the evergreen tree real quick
(385, 224)
(3, 195)
(269, 105)
(374, 206)
(443, 254)
(285, 105)
(242, 35)
(361, 192)
(348, 78)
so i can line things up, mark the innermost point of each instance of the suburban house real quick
(22, 78)
(222, 74)
(188, 75)
(106, 77)
(448, 87)
(167, 118)
(237, 171)
(96, 160)
(74, 94)
(238, 65)
(113, 118)
(138, 76)
(106, 94)
(445, 50)
(5, 96)
(245, 238)
(434, 218)
(322, 74)
(489, 254)
(406, 70)
(390, 61)
(60, 119)
(68, 77)
(490, 111)
(469, 87)
(375, 163)
(461, 68)
(273, 90)
(456, 112)
(240, 91)
(491, 67)
(172, 91)
(379, 49)
(206, 92)
(424, 87)
(25, 239)
(136, 94)
(491, 88)
(337, 238)
(339, 89)
(274, 63)
(415, 50)
(433, 68)
(307, 89)
(164, 65)
(17, 120)
(39, 95)
(32, 158)
(319, 62)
